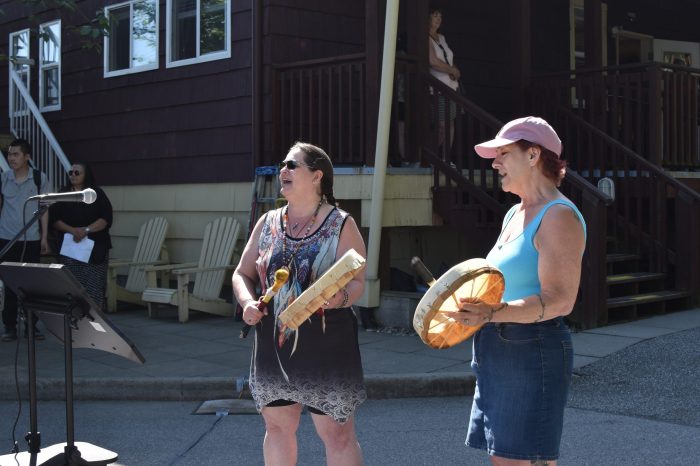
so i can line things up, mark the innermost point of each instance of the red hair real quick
(551, 165)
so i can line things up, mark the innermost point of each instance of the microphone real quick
(87, 196)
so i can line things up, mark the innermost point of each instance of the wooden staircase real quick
(652, 264)
(633, 292)
(635, 264)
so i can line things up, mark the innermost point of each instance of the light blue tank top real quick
(518, 258)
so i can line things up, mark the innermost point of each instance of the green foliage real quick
(90, 31)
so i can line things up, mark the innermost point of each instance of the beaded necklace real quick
(285, 222)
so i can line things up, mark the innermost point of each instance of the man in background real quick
(18, 184)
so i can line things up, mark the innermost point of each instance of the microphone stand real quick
(71, 311)
(33, 436)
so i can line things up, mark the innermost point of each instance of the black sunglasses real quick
(291, 164)
(73, 172)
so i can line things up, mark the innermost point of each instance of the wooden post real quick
(593, 33)
(594, 312)
(655, 117)
(687, 251)
(257, 87)
(416, 46)
(374, 30)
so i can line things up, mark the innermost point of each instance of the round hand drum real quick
(323, 289)
(474, 278)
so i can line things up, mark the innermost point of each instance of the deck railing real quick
(323, 102)
(651, 108)
(474, 182)
(654, 215)
(27, 122)
(449, 149)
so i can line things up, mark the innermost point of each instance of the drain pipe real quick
(370, 297)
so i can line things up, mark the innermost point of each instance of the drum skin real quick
(473, 278)
(323, 289)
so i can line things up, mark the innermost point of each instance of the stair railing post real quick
(655, 116)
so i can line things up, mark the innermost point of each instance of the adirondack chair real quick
(150, 250)
(219, 240)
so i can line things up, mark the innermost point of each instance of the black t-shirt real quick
(79, 214)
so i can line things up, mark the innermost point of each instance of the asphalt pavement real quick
(205, 359)
(633, 401)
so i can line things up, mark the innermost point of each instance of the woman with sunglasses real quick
(75, 221)
(319, 365)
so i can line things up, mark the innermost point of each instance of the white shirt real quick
(442, 76)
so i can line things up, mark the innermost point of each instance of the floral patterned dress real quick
(319, 365)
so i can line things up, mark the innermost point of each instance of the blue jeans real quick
(523, 374)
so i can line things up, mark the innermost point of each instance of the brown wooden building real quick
(186, 97)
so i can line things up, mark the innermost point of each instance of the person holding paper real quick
(81, 224)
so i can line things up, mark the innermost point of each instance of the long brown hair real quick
(317, 159)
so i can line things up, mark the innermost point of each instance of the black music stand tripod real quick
(52, 294)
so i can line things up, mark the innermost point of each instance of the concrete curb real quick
(379, 386)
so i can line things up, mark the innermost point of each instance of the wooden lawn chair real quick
(218, 243)
(150, 250)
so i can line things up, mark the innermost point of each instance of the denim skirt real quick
(523, 373)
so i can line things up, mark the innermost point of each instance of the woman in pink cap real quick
(522, 356)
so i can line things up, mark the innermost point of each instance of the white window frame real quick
(27, 69)
(42, 67)
(137, 69)
(226, 53)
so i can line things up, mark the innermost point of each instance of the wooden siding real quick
(296, 30)
(550, 36)
(187, 124)
(478, 34)
(188, 207)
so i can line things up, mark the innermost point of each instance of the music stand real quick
(51, 293)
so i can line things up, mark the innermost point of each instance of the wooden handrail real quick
(652, 108)
(321, 101)
(654, 215)
(656, 170)
(353, 57)
(609, 69)
(464, 183)
(583, 185)
(464, 103)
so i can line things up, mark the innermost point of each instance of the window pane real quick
(20, 44)
(51, 90)
(20, 49)
(119, 38)
(213, 26)
(145, 34)
(184, 26)
(51, 49)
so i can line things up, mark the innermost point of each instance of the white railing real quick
(3, 162)
(27, 122)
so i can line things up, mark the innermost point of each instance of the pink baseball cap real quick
(533, 129)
